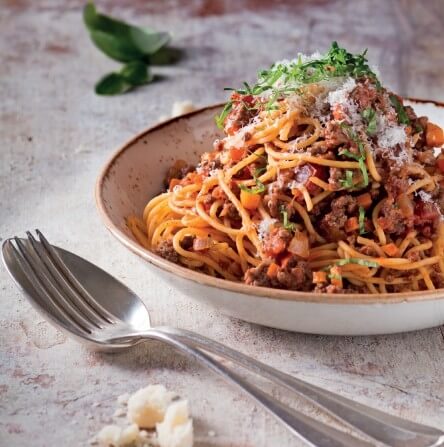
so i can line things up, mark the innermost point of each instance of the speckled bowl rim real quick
(234, 287)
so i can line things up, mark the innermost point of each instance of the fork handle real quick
(381, 426)
(315, 433)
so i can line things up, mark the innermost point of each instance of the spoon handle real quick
(386, 428)
(313, 432)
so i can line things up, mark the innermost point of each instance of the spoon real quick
(91, 305)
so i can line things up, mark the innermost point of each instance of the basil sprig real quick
(136, 46)
(400, 110)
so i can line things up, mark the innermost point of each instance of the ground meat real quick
(166, 250)
(322, 288)
(395, 184)
(241, 113)
(179, 170)
(296, 275)
(319, 147)
(426, 218)
(334, 136)
(272, 201)
(334, 179)
(425, 157)
(230, 211)
(391, 219)
(332, 224)
(276, 241)
(364, 94)
(437, 277)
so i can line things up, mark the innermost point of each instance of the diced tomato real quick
(440, 163)
(275, 244)
(338, 112)
(425, 212)
(236, 154)
(304, 172)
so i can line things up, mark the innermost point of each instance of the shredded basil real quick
(369, 116)
(400, 110)
(285, 221)
(348, 181)
(359, 261)
(258, 189)
(220, 119)
(361, 220)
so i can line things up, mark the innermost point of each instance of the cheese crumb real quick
(109, 435)
(176, 430)
(129, 435)
(391, 136)
(147, 406)
(340, 96)
(181, 108)
(265, 227)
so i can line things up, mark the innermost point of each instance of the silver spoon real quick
(91, 305)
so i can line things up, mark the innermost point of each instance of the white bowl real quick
(135, 173)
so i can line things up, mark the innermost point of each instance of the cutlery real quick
(91, 305)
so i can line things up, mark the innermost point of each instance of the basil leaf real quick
(136, 73)
(348, 181)
(400, 110)
(363, 168)
(120, 40)
(112, 84)
(116, 48)
(164, 56)
(258, 189)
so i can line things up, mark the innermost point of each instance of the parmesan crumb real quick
(391, 136)
(147, 406)
(176, 430)
(181, 108)
(265, 227)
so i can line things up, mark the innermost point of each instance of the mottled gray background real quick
(55, 136)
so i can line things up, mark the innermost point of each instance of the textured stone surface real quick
(56, 134)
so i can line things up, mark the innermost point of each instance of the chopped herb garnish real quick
(400, 110)
(220, 119)
(334, 276)
(359, 261)
(418, 128)
(369, 116)
(348, 181)
(361, 220)
(359, 158)
(285, 221)
(283, 79)
(259, 171)
(258, 189)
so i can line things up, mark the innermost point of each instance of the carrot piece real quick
(174, 182)
(364, 200)
(249, 201)
(434, 135)
(319, 277)
(351, 224)
(236, 154)
(390, 249)
(335, 276)
(272, 270)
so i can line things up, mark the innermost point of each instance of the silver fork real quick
(93, 306)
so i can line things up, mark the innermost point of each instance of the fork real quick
(93, 306)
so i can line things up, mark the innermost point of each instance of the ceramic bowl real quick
(135, 173)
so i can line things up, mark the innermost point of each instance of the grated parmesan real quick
(341, 95)
(265, 227)
(391, 136)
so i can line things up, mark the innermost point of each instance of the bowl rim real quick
(230, 286)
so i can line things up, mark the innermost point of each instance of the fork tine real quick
(104, 314)
(50, 290)
(64, 286)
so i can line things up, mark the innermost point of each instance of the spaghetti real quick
(324, 182)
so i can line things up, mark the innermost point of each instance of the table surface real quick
(56, 134)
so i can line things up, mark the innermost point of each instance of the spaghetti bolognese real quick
(325, 181)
